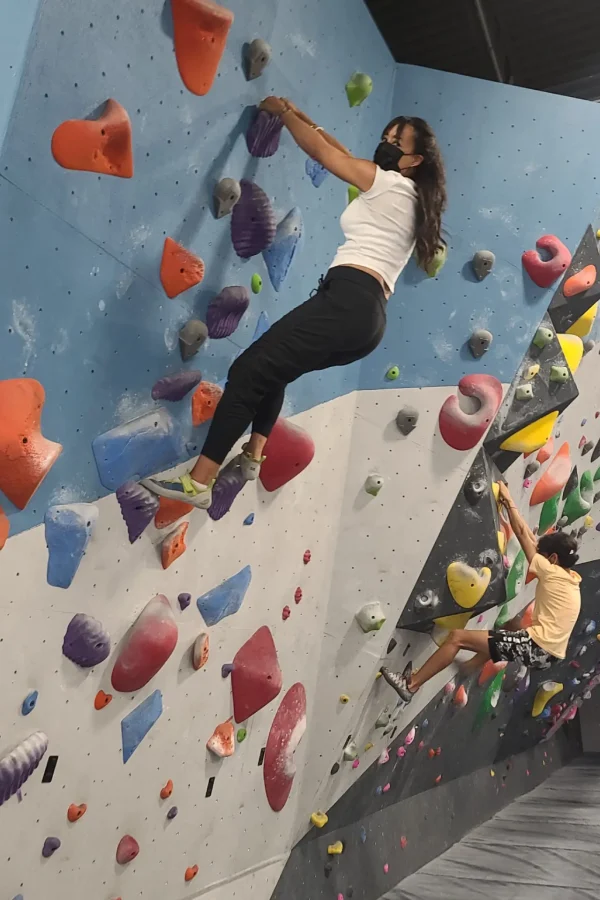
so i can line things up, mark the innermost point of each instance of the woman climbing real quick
(555, 612)
(403, 195)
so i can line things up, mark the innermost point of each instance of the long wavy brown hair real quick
(430, 180)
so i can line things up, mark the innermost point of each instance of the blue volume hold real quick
(68, 531)
(279, 256)
(226, 599)
(316, 172)
(139, 448)
(138, 723)
(29, 702)
(262, 325)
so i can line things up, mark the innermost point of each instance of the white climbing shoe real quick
(183, 488)
(249, 465)
(399, 682)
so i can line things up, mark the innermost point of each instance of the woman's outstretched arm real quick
(327, 137)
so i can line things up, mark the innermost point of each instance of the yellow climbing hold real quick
(502, 542)
(533, 436)
(572, 347)
(467, 585)
(545, 693)
(368, 747)
(344, 698)
(444, 625)
(582, 327)
(492, 773)
(530, 373)
(378, 676)
(319, 819)
(588, 521)
(495, 490)
(335, 849)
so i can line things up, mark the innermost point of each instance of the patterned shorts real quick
(517, 646)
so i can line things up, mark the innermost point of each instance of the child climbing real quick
(556, 608)
(403, 195)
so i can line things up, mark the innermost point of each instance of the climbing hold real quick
(101, 145)
(136, 725)
(401, 752)
(532, 436)
(167, 790)
(256, 677)
(587, 447)
(264, 133)
(560, 374)
(280, 254)
(29, 702)
(286, 732)
(449, 687)
(4, 528)
(467, 585)
(383, 719)
(289, 450)
(191, 337)
(17, 765)
(102, 699)
(530, 372)
(335, 768)
(438, 779)
(588, 345)
(174, 545)
(384, 758)
(146, 648)
(319, 819)
(256, 283)
(549, 514)
(306, 557)
(51, 845)
(483, 263)
(286, 613)
(370, 617)
(544, 272)
(427, 600)
(489, 701)
(588, 522)
(353, 193)
(489, 670)
(205, 400)
(127, 849)
(200, 651)
(225, 599)
(461, 430)
(241, 735)
(368, 746)
(410, 736)
(249, 520)
(257, 56)
(576, 504)
(524, 392)
(579, 283)
(543, 337)
(191, 872)
(392, 373)
(26, 456)
(554, 478)
(226, 670)
(531, 468)
(138, 507)
(226, 194)
(373, 484)
(386, 867)
(184, 601)
(175, 387)
(226, 310)
(86, 642)
(335, 849)
(358, 88)
(68, 530)
(180, 269)
(200, 29)
(475, 487)
(461, 698)
(545, 452)
(434, 268)
(544, 694)
(74, 813)
(350, 751)
(403, 842)
(252, 221)
(151, 443)
(480, 342)
(572, 348)
(407, 419)
(298, 595)
(391, 646)
(316, 172)
(344, 698)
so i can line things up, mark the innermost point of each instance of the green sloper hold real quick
(489, 701)
(437, 264)
(549, 513)
(256, 283)
(503, 616)
(358, 88)
(517, 570)
(575, 506)
(586, 486)
(353, 193)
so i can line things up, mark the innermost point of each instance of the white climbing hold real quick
(371, 616)
(524, 392)
(373, 484)
(350, 751)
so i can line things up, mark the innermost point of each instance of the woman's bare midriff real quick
(375, 275)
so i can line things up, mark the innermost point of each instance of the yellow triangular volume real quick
(533, 436)
(582, 327)
(572, 347)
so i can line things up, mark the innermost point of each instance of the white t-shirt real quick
(379, 227)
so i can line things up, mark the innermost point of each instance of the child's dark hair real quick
(564, 545)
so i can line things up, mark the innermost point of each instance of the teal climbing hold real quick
(280, 254)
(225, 599)
(68, 530)
(358, 88)
(515, 576)
(392, 373)
(136, 725)
(575, 506)
(549, 514)
(256, 283)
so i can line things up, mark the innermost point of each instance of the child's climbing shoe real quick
(399, 682)
(183, 488)
(249, 465)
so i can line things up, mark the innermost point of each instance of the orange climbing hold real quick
(102, 699)
(169, 511)
(545, 452)
(554, 478)
(74, 813)
(191, 872)
(580, 282)
(527, 616)
(490, 669)
(180, 269)
(222, 741)
(100, 145)
(200, 33)
(26, 456)
(174, 545)
(167, 790)
(204, 402)
(4, 528)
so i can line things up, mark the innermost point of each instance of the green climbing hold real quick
(392, 373)
(503, 616)
(543, 336)
(597, 474)
(438, 262)
(353, 193)
(559, 374)
(515, 576)
(489, 701)
(241, 735)
(575, 506)
(358, 88)
(256, 283)
(549, 514)
(586, 487)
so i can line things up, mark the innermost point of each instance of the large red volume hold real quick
(462, 430)
(554, 478)
(289, 450)
(544, 272)
(256, 678)
(279, 767)
(150, 642)
(102, 145)
(200, 33)
(180, 269)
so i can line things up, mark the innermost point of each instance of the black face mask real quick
(387, 156)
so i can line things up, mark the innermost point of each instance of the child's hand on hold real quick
(504, 494)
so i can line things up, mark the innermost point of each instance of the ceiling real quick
(548, 45)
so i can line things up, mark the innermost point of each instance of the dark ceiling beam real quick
(489, 40)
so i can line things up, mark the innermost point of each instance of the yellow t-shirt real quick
(557, 605)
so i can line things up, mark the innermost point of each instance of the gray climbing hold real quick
(543, 337)
(588, 345)
(596, 498)
(391, 646)
(474, 489)
(335, 768)
(225, 195)
(587, 447)
(172, 812)
(483, 263)
(564, 520)
(581, 532)
(559, 374)
(383, 720)
(524, 392)
(350, 751)
(531, 468)
(427, 600)
(257, 58)
(480, 342)
(373, 484)
(191, 337)
(407, 419)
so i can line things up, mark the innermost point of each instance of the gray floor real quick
(544, 846)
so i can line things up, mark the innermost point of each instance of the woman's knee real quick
(455, 638)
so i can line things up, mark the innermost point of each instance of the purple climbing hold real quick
(18, 765)
(51, 845)
(264, 134)
(225, 311)
(226, 670)
(184, 601)
(138, 508)
(175, 387)
(229, 483)
(86, 642)
(252, 221)
(316, 172)
(172, 812)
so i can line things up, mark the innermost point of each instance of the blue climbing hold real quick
(363, 834)
(18, 897)
(136, 725)
(226, 598)
(424, 723)
(279, 256)
(68, 532)
(249, 520)
(262, 325)
(132, 451)
(29, 702)
(316, 172)
(378, 790)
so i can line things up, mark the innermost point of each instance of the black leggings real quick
(343, 321)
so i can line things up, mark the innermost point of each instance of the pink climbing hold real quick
(289, 450)
(256, 678)
(386, 787)
(127, 849)
(384, 758)
(544, 272)
(527, 483)
(286, 613)
(150, 642)
(386, 868)
(403, 842)
(307, 557)
(286, 732)
(462, 430)
(298, 595)
(582, 442)
(449, 688)
(401, 752)
(356, 764)
(410, 736)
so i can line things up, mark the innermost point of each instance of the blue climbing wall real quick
(83, 310)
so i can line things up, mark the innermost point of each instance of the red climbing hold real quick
(200, 30)
(102, 699)
(101, 145)
(527, 616)
(307, 557)
(286, 613)
(554, 478)
(179, 269)
(289, 450)
(490, 669)
(167, 790)
(256, 678)
(191, 872)
(298, 595)
(26, 456)
(169, 511)
(462, 430)
(127, 849)
(74, 813)
(286, 733)
(438, 779)
(204, 402)
(580, 282)
(4, 528)
(149, 644)
(545, 452)
(544, 272)
(174, 545)
(403, 842)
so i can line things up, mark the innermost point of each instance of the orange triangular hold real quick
(174, 545)
(545, 452)
(179, 269)
(200, 30)
(169, 511)
(102, 145)
(4, 528)
(222, 741)
(204, 402)
(580, 282)
(554, 478)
